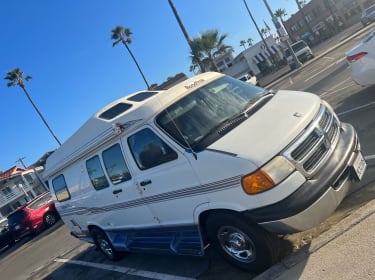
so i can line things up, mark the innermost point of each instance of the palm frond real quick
(116, 42)
(13, 83)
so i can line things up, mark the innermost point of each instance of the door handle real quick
(117, 191)
(144, 183)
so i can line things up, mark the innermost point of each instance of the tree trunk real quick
(201, 65)
(135, 61)
(40, 114)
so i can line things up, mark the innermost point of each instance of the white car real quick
(250, 79)
(361, 60)
(368, 15)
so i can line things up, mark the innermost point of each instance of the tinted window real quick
(115, 111)
(149, 150)
(16, 217)
(299, 46)
(96, 173)
(60, 188)
(142, 96)
(40, 202)
(115, 165)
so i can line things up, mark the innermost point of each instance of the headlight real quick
(268, 176)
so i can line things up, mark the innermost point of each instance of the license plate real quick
(359, 166)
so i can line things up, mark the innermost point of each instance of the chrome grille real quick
(313, 147)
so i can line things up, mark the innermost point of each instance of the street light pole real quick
(260, 33)
(278, 26)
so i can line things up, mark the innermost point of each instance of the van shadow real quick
(91, 264)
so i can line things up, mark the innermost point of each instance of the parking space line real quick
(325, 69)
(125, 270)
(369, 157)
(331, 90)
(356, 108)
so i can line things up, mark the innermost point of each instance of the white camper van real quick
(212, 160)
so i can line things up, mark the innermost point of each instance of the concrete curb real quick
(335, 231)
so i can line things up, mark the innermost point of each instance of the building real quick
(320, 19)
(170, 82)
(18, 185)
(256, 60)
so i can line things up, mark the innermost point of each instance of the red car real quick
(33, 216)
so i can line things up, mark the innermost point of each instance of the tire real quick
(50, 219)
(242, 243)
(104, 244)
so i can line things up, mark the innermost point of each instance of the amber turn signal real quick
(257, 182)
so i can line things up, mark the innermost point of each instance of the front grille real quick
(312, 148)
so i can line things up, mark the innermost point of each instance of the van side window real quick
(96, 173)
(149, 150)
(60, 188)
(115, 165)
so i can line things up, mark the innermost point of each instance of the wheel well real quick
(92, 227)
(203, 217)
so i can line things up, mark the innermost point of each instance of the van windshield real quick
(203, 116)
(296, 47)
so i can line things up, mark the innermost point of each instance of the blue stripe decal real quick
(182, 240)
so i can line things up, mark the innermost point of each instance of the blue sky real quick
(66, 47)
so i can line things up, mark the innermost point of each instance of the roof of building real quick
(15, 170)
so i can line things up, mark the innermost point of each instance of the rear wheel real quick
(242, 243)
(50, 219)
(104, 244)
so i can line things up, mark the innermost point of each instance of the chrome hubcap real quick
(105, 247)
(236, 244)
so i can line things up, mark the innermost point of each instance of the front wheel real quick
(104, 244)
(242, 243)
(50, 219)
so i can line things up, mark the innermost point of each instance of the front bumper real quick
(318, 197)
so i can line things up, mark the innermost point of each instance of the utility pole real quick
(20, 160)
(260, 33)
(193, 50)
(20, 186)
(278, 26)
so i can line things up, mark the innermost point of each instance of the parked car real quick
(361, 60)
(250, 79)
(302, 51)
(6, 236)
(33, 216)
(368, 15)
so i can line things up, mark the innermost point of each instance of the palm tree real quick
(207, 46)
(250, 42)
(123, 35)
(243, 44)
(281, 13)
(15, 77)
(186, 35)
(264, 31)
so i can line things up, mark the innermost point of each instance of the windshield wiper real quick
(255, 101)
(229, 123)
